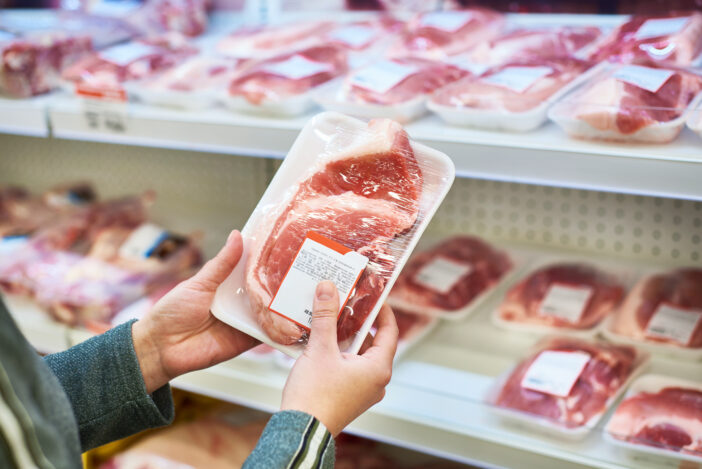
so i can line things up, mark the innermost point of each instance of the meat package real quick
(664, 312)
(441, 34)
(362, 36)
(188, 17)
(630, 103)
(515, 96)
(448, 279)
(269, 41)
(412, 329)
(567, 295)
(660, 415)
(348, 204)
(673, 39)
(281, 85)
(566, 385)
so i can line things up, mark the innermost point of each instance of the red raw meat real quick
(187, 17)
(680, 48)
(680, 288)
(488, 265)
(480, 93)
(523, 301)
(670, 418)
(352, 199)
(609, 368)
(273, 40)
(198, 73)
(259, 84)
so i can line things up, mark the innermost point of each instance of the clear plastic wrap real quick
(412, 330)
(515, 96)
(363, 191)
(449, 278)
(630, 103)
(566, 385)
(188, 17)
(269, 41)
(660, 415)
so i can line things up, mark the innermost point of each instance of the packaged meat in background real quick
(412, 330)
(672, 39)
(569, 295)
(630, 103)
(660, 415)
(395, 88)
(188, 17)
(364, 40)
(440, 34)
(282, 85)
(137, 309)
(348, 204)
(448, 279)
(270, 41)
(566, 385)
(664, 313)
(694, 122)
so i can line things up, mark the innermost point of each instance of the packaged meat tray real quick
(395, 88)
(663, 313)
(513, 97)
(694, 122)
(630, 103)
(348, 204)
(451, 278)
(413, 328)
(363, 36)
(441, 34)
(674, 39)
(282, 85)
(566, 385)
(562, 296)
(273, 40)
(660, 415)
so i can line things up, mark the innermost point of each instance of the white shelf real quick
(24, 116)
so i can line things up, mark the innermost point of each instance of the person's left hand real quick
(180, 334)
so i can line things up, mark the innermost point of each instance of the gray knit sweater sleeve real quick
(103, 382)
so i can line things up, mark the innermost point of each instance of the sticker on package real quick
(554, 372)
(449, 21)
(442, 274)
(125, 54)
(354, 36)
(297, 67)
(143, 241)
(649, 79)
(382, 76)
(566, 301)
(670, 322)
(661, 27)
(517, 79)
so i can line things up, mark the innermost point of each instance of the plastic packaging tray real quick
(288, 107)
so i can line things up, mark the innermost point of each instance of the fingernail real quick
(231, 235)
(325, 290)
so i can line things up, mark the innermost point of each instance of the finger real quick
(367, 343)
(324, 316)
(219, 267)
(385, 340)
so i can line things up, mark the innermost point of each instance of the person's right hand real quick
(333, 386)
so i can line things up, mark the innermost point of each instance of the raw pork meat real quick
(361, 35)
(672, 39)
(513, 87)
(439, 34)
(196, 74)
(523, 303)
(289, 74)
(485, 267)
(608, 369)
(361, 198)
(273, 40)
(670, 418)
(680, 289)
(187, 17)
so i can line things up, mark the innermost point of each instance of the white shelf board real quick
(24, 116)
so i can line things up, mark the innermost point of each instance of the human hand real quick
(180, 334)
(333, 386)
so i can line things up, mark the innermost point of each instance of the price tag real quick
(517, 79)
(678, 324)
(441, 274)
(318, 259)
(660, 27)
(449, 21)
(297, 67)
(124, 54)
(143, 241)
(649, 79)
(466, 64)
(382, 76)
(566, 302)
(555, 372)
(354, 36)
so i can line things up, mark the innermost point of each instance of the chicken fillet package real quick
(348, 204)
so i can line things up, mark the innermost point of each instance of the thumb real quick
(324, 316)
(216, 270)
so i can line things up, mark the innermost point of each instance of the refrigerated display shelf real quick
(24, 116)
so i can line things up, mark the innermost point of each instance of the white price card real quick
(143, 241)
(297, 67)
(382, 76)
(678, 324)
(124, 54)
(647, 78)
(449, 21)
(441, 274)
(566, 301)
(318, 259)
(555, 372)
(660, 27)
(518, 79)
(354, 36)
(106, 115)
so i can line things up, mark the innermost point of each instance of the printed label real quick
(650, 79)
(660, 27)
(465, 64)
(318, 259)
(442, 274)
(450, 21)
(678, 324)
(124, 54)
(297, 67)
(566, 302)
(105, 111)
(142, 242)
(382, 76)
(554, 372)
(354, 36)
(518, 79)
